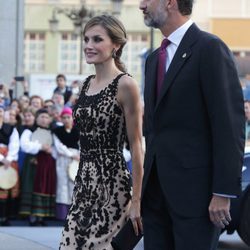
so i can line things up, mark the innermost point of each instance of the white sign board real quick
(44, 84)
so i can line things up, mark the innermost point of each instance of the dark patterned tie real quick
(162, 57)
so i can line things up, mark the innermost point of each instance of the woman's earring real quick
(113, 53)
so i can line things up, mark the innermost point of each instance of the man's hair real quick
(61, 76)
(185, 7)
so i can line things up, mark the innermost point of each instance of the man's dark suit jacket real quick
(195, 129)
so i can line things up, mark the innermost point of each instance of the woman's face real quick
(12, 117)
(98, 46)
(43, 120)
(58, 99)
(67, 120)
(15, 106)
(29, 119)
(24, 102)
(36, 103)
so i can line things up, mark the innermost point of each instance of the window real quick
(34, 52)
(69, 53)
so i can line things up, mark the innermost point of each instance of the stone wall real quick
(11, 42)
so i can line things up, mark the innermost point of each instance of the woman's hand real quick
(46, 148)
(76, 157)
(135, 216)
(6, 163)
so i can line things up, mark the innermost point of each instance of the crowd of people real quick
(192, 163)
(39, 140)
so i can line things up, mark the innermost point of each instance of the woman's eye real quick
(97, 39)
(86, 39)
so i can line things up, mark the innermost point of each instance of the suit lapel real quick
(151, 80)
(181, 56)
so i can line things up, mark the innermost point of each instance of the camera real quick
(19, 78)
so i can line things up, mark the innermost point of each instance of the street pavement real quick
(47, 238)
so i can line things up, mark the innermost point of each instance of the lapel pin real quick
(184, 55)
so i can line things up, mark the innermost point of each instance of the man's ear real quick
(171, 4)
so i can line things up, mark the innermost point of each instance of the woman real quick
(9, 146)
(28, 123)
(27, 162)
(108, 110)
(39, 177)
(36, 102)
(66, 140)
(24, 102)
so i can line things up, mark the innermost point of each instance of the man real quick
(62, 87)
(193, 161)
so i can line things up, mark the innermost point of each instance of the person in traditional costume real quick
(38, 200)
(66, 140)
(28, 123)
(9, 146)
(28, 162)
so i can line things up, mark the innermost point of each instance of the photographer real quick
(4, 95)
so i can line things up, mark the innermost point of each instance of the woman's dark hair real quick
(115, 31)
(185, 7)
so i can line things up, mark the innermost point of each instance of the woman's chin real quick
(89, 61)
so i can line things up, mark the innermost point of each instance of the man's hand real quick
(25, 86)
(219, 211)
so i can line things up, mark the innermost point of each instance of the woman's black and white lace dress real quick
(102, 192)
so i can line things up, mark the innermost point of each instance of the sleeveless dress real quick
(102, 192)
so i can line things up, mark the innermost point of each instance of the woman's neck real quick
(105, 72)
(68, 127)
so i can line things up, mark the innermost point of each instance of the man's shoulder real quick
(56, 89)
(207, 37)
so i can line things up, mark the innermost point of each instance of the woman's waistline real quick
(100, 151)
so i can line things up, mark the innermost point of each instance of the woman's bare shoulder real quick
(127, 83)
(128, 90)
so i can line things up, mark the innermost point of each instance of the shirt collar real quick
(178, 34)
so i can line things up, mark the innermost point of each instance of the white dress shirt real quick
(175, 39)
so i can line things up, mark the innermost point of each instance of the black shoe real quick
(34, 223)
(5, 223)
(42, 223)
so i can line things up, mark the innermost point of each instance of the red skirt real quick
(43, 198)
